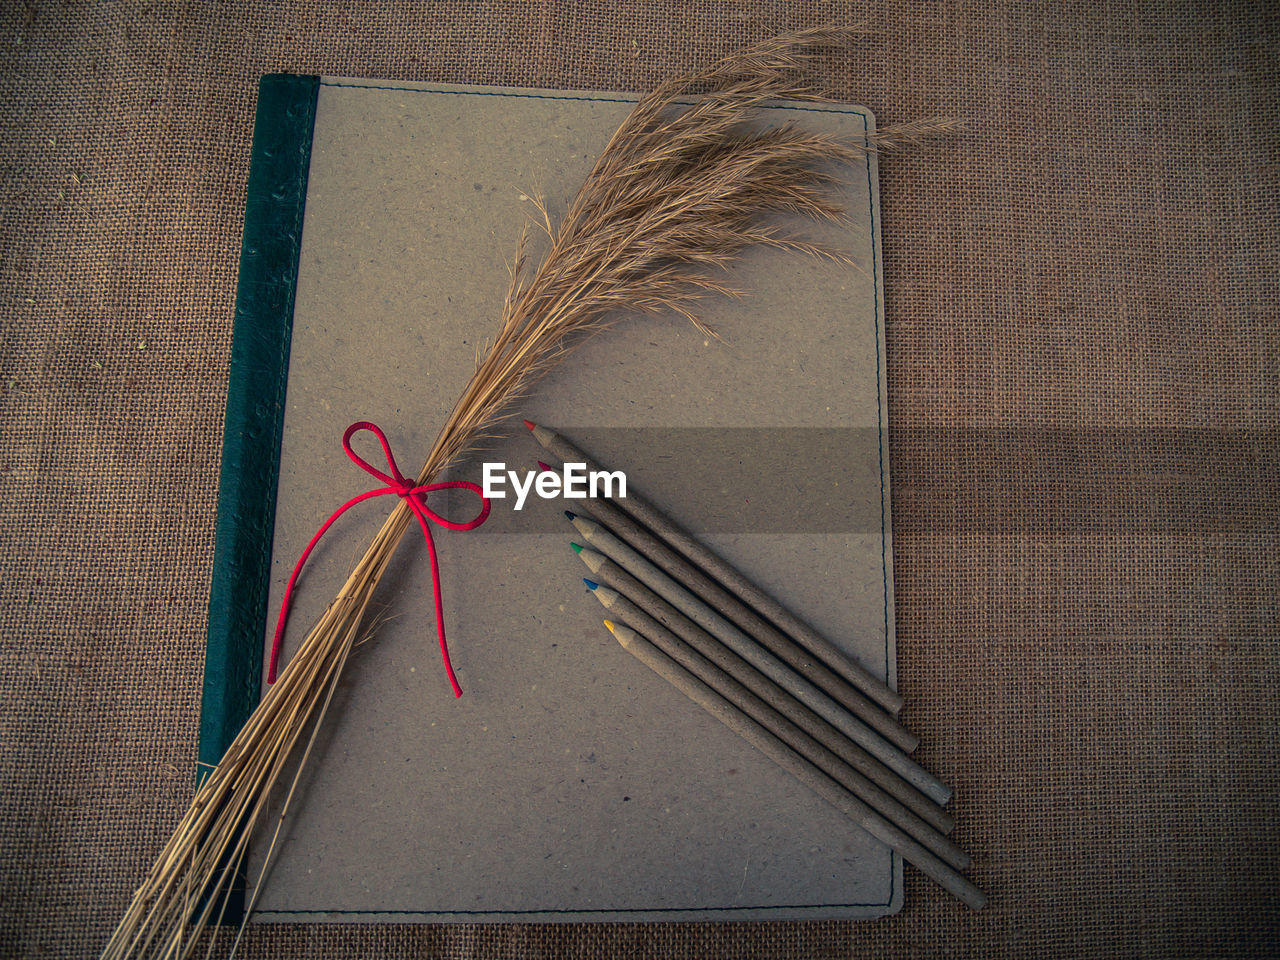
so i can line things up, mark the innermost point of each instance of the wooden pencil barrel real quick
(803, 770)
(893, 740)
(653, 608)
(795, 737)
(710, 592)
(658, 522)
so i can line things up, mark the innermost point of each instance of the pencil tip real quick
(543, 465)
(577, 547)
(609, 624)
(591, 584)
(571, 515)
(530, 424)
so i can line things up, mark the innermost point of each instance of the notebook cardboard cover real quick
(569, 783)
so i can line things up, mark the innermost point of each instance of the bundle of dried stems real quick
(683, 187)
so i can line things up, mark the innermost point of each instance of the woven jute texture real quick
(1084, 357)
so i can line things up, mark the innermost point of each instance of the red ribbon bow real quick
(416, 497)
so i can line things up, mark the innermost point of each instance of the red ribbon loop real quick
(416, 497)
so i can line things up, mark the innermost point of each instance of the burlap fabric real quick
(1083, 358)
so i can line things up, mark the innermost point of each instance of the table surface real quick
(1082, 381)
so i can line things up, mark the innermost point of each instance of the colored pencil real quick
(807, 773)
(749, 690)
(736, 582)
(658, 552)
(759, 656)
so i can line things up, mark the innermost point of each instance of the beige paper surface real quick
(569, 783)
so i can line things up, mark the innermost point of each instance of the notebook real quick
(569, 783)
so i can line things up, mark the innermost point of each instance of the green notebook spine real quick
(277, 190)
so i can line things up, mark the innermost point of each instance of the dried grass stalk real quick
(683, 187)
